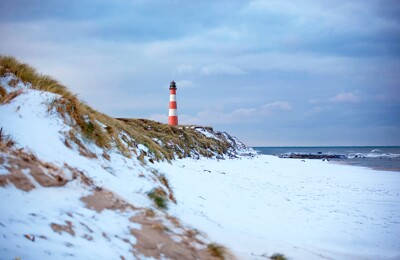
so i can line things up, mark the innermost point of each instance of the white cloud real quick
(183, 68)
(222, 69)
(301, 62)
(276, 106)
(184, 83)
(272, 6)
(348, 97)
(240, 115)
(342, 16)
(220, 117)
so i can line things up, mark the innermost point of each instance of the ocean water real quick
(377, 157)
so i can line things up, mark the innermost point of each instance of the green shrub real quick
(159, 196)
(278, 256)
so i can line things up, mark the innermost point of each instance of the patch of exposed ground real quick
(68, 228)
(160, 235)
(156, 240)
(17, 178)
(25, 171)
(102, 199)
(47, 175)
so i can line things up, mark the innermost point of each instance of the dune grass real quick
(26, 73)
(5, 140)
(3, 94)
(166, 141)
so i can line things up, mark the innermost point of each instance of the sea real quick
(377, 157)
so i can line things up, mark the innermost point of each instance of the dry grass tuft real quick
(28, 74)
(216, 250)
(5, 140)
(7, 97)
(3, 93)
(83, 117)
(165, 182)
(150, 213)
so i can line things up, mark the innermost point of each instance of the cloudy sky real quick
(271, 72)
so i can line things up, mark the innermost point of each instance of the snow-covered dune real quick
(64, 196)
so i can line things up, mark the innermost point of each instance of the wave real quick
(330, 155)
(373, 155)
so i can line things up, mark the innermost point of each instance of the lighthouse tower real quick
(173, 115)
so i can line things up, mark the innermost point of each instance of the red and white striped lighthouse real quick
(173, 114)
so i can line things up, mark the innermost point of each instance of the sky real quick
(270, 72)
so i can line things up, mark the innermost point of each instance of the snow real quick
(31, 213)
(310, 209)
(102, 125)
(4, 81)
(205, 132)
(141, 147)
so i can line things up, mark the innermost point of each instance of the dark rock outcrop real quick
(312, 156)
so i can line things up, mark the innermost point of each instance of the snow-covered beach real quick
(305, 210)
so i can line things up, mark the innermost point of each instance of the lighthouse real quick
(173, 114)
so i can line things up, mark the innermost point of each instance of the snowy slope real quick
(41, 131)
